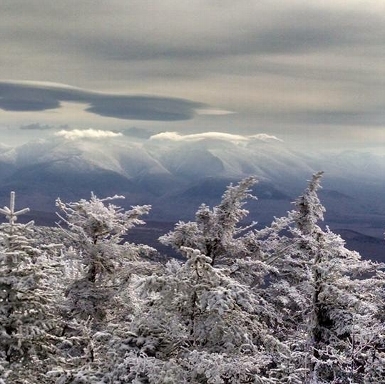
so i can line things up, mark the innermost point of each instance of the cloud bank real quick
(29, 96)
(177, 137)
(75, 134)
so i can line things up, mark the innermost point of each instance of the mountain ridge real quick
(176, 177)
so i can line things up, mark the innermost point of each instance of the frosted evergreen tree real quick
(196, 324)
(27, 315)
(328, 296)
(96, 228)
(219, 235)
(214, 231)
(97, 268)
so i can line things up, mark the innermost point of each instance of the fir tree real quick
(328, 296)
(217, 234)
(196, 324)
(96, 228)
(27, 315)
(214, 231)
(203, 321)
(97, 267)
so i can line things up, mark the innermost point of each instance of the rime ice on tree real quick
(214, 230)
(25, 311)
(10, 212)
(327, 298)
(12, 233)
(96, 228)
(200, 321)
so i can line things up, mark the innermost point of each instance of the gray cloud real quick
(281, 65)
(284, 36)
(133, 31)
(188, 31)
(37, 127)
(143, 107)
(22, 96)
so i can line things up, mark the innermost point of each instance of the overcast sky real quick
(307, 72)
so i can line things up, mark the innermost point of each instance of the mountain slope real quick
(176, 177)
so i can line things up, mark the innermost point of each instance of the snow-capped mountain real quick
(132, 159)
(190, 161)
(175, 177)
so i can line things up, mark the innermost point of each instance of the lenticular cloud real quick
(37, 96)
(86, 134)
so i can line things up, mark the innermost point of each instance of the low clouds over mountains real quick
(175, 173)
(166, 167)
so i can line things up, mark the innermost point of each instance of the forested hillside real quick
(287, 303)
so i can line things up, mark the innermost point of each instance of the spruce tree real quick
(97, 267)
(27, 314)
(196, 324)
(95, 229)
(328, 296)
(215, 230)
(203, 321)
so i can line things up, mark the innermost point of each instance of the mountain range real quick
(176, 176)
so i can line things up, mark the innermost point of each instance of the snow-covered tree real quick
(214, 231)
(288, 303)
(327, 295)
(27, 314)
(96, 228)
(196, 324)
(217, 233)
(96, 267)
